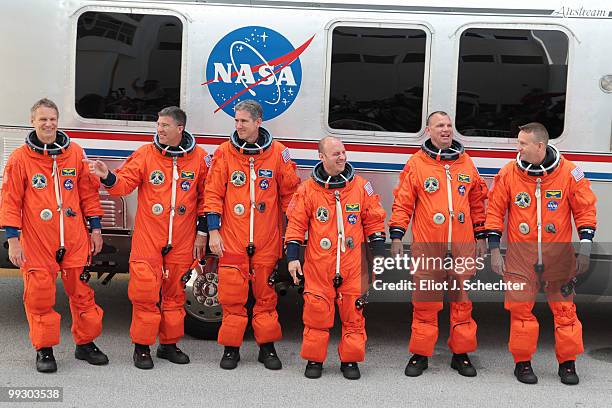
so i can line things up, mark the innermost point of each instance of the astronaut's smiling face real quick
(44, 120)
(333, 156)
(168, 131)
(246, 126)
(530, 149)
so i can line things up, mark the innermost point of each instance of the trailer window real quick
(508, 78)
(377, 79)
(128, 66)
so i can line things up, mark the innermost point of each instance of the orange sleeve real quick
(582, 200)
(13, 190)
(373, 216)
(499, 199)
(298, 216)
(477, 197)
(216, 185)
(405, 196)
(130, 175)
(89, 189)
(288, 182)
(203, 174)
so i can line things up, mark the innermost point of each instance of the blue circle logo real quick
(68, 184)
(255, 63)
(185, 185)
(352, 219)
(553, 205)
(264, 184)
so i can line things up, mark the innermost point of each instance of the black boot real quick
(45, 361)
(350, 371)
(416, 365)
(313, 370)
(462, 363)
(230, 359)
(268, 356)
(524, 373)
(142, 357)
(90, 353)
(567, 372)
(172, 353)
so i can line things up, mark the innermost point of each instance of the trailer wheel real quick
(203, 313)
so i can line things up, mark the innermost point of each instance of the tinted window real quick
(377, 77)
(128, 66)
(508, 78)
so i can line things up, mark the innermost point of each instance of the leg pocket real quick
(318, 311)
(145, 283)
(39, 291)
(233, 286)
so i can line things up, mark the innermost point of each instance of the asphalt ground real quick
(203, 383)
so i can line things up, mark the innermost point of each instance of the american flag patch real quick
(208, 160)
(368, 188)
(286, 155)
(578, 173)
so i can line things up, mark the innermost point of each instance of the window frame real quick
(124, 10)
(571, 40)
(384, 136)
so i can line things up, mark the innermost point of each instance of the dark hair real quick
(176, 113)
(435, 113)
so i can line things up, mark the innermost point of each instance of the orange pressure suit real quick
(41, 190)
(249, 188)
(443, 194)
(563, 192)
(157, 171)
(339, 216)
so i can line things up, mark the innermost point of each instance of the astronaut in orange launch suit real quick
(441, 191)
(47, 193)
(252, 180)
(340, 212)
(169, 232)
(540, 192)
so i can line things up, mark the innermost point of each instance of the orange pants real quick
(318, 318)
(233, 295)
(426, 305)
(151, 317)
(524, 330)
(39, 299)
(524, 326)
(462, 336)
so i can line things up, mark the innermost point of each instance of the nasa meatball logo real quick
(552, 205)
(255, 63)
(68, 184)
